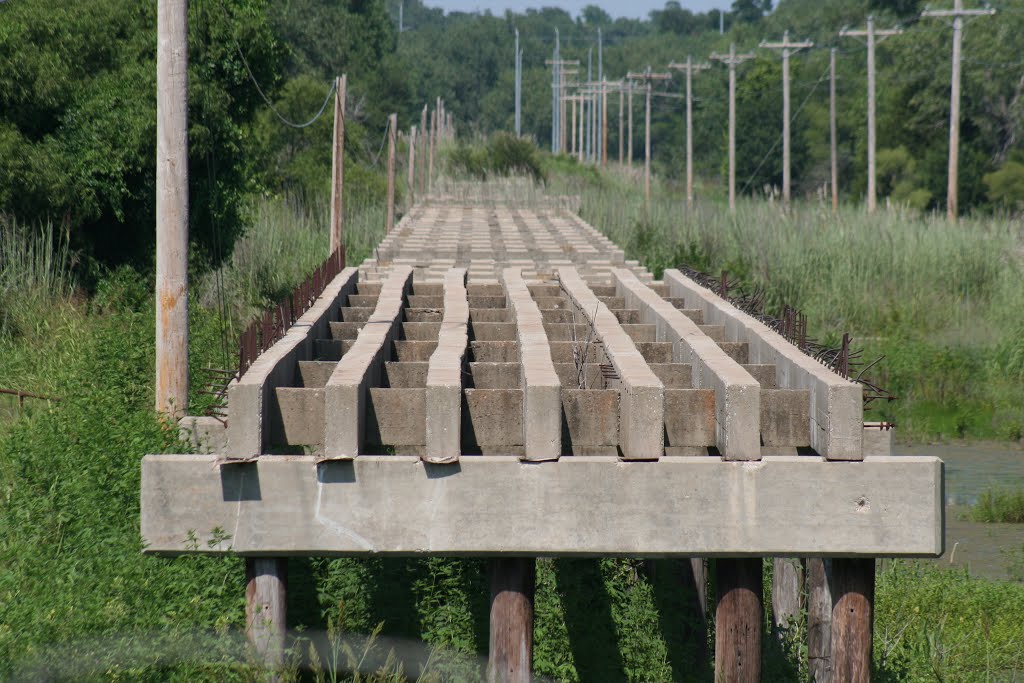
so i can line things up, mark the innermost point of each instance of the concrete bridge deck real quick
(501, 380)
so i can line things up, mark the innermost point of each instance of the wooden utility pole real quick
(172, 209)
(689, 68)
(338, 166)
(410, 181)
(648, 77)
(433, 145)
(572, 135)
(424, 144)
(872, 34)
(583, 110)
(604, 123)
(833, 128)
(958, 13)
(392, 139)
(739, 619)
(853, 595)
(630, 151)
(621, 125)
(732, 60)
(786, 46)
(510, 656)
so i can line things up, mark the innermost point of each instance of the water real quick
(994, 551)
(974, 468)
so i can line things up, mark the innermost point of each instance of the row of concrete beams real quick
(836, 409)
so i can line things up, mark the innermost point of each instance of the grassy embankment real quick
(941, 302)
(82, 602)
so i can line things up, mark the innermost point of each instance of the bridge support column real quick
(266, 607)
(739, 620)
(510, 656)
(853, 595)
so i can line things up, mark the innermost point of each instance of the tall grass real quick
(940, 300)
(35, 270)
(999, 505)
(286, 239)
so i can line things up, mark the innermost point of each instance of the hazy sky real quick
(635, 8)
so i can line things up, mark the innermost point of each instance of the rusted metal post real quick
(392, 139)
(266, 607)
(338, 166)
(172, 208)
(853, 593)
(510, 656)
(739, 618)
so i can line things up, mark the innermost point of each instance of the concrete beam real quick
(542, 402)
(444, 373)
(346, 392)
(836, 404)
(248, 399)
(737, 393)
(583, 506)
(641, 393)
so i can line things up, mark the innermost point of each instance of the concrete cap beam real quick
(490, 505)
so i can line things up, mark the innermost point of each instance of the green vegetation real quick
(502, 155)
(938, 300)
(999, 504)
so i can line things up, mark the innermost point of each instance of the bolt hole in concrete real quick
(988, 550)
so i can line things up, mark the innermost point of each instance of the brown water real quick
(990, 550)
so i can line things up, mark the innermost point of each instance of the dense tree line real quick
(77, 105)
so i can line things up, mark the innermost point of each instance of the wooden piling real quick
(510, 657)
(389, 221)
(853, 592)
(819, 619)
(266, 607)
(787, 594)
(739, 617)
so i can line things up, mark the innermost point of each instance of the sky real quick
(636, 9)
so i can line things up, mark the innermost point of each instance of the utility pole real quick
(621, 126)
(519, 88)
(411, 171)
(872, 34)
(433, 144)
(389, 221)
(689, 68)
(786, 46)
(958, 13)
(172, 209)
(572, 134)
(579, 137)
(630, 96)
(603, 110)
(338, 167)
(604, 123)
(559, 141)
(554, 95)
(424, 144)
(833, 128)
(732, 60)
(590, 118)
(648, 78)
